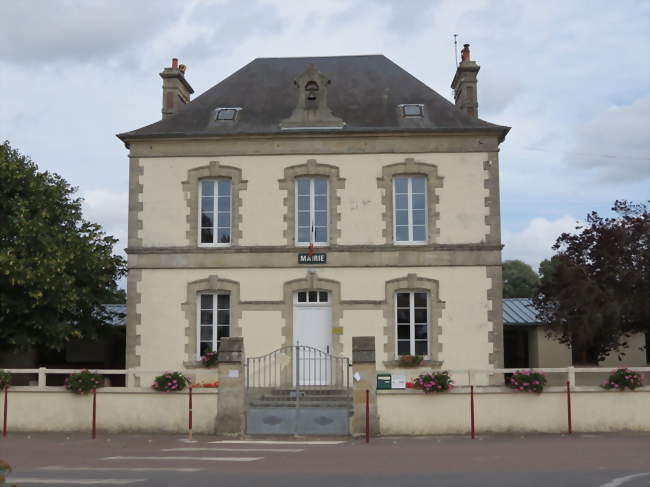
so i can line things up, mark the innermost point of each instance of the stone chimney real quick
(176, 89)
(464, 84)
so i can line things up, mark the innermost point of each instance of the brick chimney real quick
(464, 84)
(176, 89)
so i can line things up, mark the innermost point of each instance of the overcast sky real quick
(572, 79)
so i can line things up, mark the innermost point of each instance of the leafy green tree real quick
(546, 268)
(56, 269)
(519, 280)
(594, 291)
(118, 296)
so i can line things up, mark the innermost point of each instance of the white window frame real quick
(215, 308)
(410, 240)
(412, 323)
(214, 181)
(308, 303)
(312, 210)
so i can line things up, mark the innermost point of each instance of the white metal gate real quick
(298, 390)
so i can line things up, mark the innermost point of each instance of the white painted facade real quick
(458, 265)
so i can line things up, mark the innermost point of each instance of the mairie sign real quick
(312, 259)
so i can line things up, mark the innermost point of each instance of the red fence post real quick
(471, 409)
(94, 427)
(367, 416)
(568, 403)
(4, 420)
(190, 415)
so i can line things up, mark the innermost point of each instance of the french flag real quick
(311, 240)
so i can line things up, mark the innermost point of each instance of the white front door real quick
(312, 330)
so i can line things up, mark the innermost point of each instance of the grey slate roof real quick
(364, 91)
(519, 311)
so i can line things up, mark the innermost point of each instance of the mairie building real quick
(306, 201)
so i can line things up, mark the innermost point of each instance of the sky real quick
(572, 79)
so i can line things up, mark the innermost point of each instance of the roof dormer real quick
(311, 111)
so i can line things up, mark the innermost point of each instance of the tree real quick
(519, 280)
(594, 291)
(56, 269)
(117, 296)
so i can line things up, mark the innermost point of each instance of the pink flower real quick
(521, 388)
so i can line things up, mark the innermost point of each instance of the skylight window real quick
(227, 113)
(412, 110)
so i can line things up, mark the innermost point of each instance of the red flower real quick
(409, 385)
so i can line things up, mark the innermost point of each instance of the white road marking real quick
(278, 442)
(204, 459)
(621, 480)
(62, 468)
(27, 480)
(271, 450)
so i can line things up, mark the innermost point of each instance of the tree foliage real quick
(56, 269)
(519, 280)
(594, 291)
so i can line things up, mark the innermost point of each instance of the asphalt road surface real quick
(596, 460)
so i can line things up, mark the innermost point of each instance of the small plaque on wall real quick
(312, 259)
(398, 381)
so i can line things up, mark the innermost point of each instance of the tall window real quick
(312, 215)
(410, 209)
(215, 201)
(214, 321)
(412, 321)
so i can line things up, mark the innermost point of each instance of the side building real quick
(526, 345)
(311, 200)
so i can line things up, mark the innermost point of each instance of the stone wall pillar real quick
(364, 371)
(231, 408)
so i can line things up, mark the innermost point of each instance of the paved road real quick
(614, 460)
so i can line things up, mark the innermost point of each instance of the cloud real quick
(110, 210)
(533, 243)
(43, 32)
(616, 143)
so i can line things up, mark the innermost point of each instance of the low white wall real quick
(119, 409)
(499, 410)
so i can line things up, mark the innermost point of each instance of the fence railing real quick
(570, 371)
(129, 374)
(471, 374)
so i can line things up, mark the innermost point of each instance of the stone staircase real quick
(304, 398)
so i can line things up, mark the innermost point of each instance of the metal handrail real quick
(296, 367)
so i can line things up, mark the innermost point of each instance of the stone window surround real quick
(312, 283)
(191, 189)
(413, 283)
(212, 284)
(410, 167)
(312, 169)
